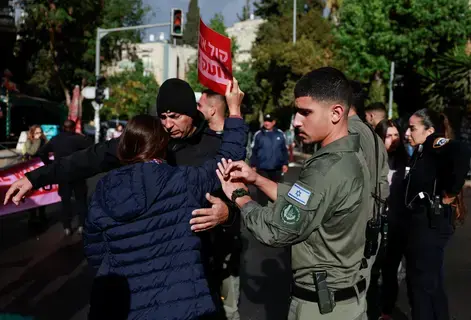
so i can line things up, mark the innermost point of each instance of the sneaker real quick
(80, 230)
(67, 232)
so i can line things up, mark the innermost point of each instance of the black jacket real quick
(437, 167)
(63, 145)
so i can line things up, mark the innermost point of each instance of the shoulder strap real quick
(377, 193)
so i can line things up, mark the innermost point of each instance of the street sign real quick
(89, 93)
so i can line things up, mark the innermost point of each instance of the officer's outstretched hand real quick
(228, 184)
(239, 171)
(21, 187)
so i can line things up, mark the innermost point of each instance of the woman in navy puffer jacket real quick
(137, 233)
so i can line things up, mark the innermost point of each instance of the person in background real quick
(63, 145)
(269, 154)
(392, 254)
(35, 140)
(375, 113)
(119, 130)
(137, 227)
(437, 173)
(289, 134)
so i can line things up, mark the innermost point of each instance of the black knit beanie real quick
(176, 95)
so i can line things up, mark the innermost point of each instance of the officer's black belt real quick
(339, 295)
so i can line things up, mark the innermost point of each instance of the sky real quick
(160, 12)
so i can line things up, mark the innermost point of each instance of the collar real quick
(350, 143)
(355, 117)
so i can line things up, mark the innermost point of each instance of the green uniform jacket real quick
(367, 146)
(323, 215)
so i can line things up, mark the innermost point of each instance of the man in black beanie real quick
(190, 145)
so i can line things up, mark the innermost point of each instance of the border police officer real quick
(323, 216)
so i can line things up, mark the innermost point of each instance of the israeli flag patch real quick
(299, 194)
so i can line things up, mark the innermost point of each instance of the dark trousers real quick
(80, 191)
(393, 253)
(424, 256)
(274, 175)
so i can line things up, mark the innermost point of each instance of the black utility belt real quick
(339, 295)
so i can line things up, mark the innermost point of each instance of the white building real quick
(245, 33)
(161, 59)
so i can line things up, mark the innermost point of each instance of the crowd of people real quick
(162, 231)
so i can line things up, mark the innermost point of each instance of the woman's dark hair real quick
(143, 139)
(382, 128)
(431, 119)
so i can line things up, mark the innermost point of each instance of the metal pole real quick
(100, 33)
(8, 118)
(391, 93)
(96, 106)
(294, 21)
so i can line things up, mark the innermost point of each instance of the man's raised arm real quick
(80, 165)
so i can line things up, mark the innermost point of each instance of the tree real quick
(132, 93)
(190, 33)
(413, 34)
(276, 8)
(57, 44)
(245, 12)
(279, 63)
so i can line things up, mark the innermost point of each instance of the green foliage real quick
(279, 63)
(276, 8)
(132, 93)
(373, 33)
(449, 80)
(245, 12)
(190, 33)
(57, 44)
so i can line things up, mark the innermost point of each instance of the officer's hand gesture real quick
(240, 171)
(208, 218)
(228, 184)
(234, 98)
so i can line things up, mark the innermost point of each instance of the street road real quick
(46, 276)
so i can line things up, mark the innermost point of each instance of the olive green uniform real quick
(323, 217)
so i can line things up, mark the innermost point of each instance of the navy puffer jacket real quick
(138, 228)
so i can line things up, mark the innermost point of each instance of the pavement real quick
(44, 274)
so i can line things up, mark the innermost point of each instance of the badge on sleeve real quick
(440, 142)
(290, 215)
(299, 194)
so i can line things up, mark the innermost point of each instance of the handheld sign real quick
(214, 59)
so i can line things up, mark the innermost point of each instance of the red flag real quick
(214, 59)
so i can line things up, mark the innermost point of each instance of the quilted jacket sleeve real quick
(93, 241)
(233, 147)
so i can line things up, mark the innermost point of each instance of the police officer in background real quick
(323, 216)
(437, 173)
(269, 154)
(63, 145)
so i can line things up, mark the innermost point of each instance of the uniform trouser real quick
(274, 175)
(80, 191)
(394, 251)
(424, 255)
(231, 291)
(352, 309)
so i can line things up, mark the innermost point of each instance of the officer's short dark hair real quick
(325, 84)
(359, 96)
(143, 139)
(69, 125)
(376, 106)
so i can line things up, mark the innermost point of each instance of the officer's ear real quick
(337, 113)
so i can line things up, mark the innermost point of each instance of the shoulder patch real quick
(290, 214)
(299, 194)
(440, 142)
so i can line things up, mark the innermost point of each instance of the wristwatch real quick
(241, 192)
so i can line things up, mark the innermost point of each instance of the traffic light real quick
(177, 23)
(100, 93)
